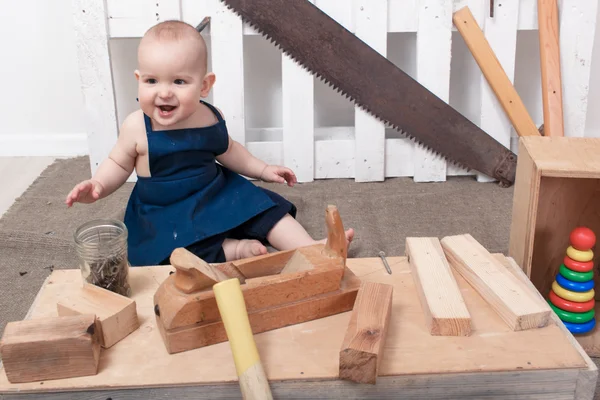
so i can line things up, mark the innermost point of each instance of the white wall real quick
(41, 107)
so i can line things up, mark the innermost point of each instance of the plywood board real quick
(141, 361)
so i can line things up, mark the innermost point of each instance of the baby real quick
(183, 197)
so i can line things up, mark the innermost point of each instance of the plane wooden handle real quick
(336, 245)
(251, 375)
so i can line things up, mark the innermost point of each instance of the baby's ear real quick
(207, 83)
(137, 74)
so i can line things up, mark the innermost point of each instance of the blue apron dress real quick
(191, 201)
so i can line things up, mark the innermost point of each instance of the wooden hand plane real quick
(280, 289)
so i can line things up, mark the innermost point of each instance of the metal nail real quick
(385, 263)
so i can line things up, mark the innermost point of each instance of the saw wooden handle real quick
(336, 236)
(251, 375)
(550, 62)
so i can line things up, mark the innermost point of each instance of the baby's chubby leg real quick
(288, 234)
(236, 249)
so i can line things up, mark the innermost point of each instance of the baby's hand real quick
(276, 173)
(85, 192)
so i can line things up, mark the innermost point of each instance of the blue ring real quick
(574, 286)
(581, 328)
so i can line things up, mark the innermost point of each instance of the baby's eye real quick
(151, 81)
(179, 82)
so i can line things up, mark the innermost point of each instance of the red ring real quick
(578, 265)
(571, 306)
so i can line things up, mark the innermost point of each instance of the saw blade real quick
(335, 55)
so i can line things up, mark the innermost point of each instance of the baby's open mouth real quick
(166, 108)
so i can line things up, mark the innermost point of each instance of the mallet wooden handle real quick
(251, 375)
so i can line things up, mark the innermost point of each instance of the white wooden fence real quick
(364, 151)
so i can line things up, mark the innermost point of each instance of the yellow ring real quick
(573, 296)
(579, 255)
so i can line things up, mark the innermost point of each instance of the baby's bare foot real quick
(249, 248)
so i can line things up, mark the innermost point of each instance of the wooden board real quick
(492, 358)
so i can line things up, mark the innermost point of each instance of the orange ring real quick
(578, 265)
(571, 306)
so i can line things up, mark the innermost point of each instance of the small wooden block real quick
(362, 348)
(515, 304)
(116, 315)
(445, 310)
(50, 348)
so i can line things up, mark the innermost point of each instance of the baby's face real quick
(170, 80)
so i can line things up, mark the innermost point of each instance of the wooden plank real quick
(227, 57)
(334, 159)
(399, 158)
(578, 21)
(494, 361)
(550, 62)
(370, 18)
(132, 18)
(446, 313)
(50, 348)
(96, 78)
(434, 53)
(493, 72)
(501, 34)
(515, 305)
(297, 86)
(116, 315)
(362, 348)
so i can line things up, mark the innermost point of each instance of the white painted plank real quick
(340, 11)
(227, 47)
(132, 18)
(95, 74)
(297, 86)
(371, 27)
(577, 29)
(434, 51)
(334, 159)
(501, 33)
(269, 152)
(399, 158)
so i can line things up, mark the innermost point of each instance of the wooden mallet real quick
(251, 375)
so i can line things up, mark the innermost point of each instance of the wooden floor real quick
(16, 174)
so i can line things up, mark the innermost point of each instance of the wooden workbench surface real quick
(310, 351)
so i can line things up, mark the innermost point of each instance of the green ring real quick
(577, 318)
(574, 275)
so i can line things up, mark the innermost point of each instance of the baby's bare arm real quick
(114, 171)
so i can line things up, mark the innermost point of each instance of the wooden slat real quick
(297, 86)
(519, 308)
(550, 62)
(501, 34)
(399, 158)
(362, 348)
(577, 29)
(131, 18)
(434, 53)
(96, 78)
(334, 159)
(370, 18)
(495, 75)
(227, 48)
(446, 313)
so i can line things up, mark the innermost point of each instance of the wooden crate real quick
(557, 188)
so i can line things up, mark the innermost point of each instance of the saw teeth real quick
(339, 90)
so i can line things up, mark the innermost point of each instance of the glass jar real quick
(102, 249)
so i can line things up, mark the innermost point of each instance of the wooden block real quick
(116, 315)
(516, 305)
(494, 73)
(307, 309)
(362, 348)
(50, 348)
(446, 313)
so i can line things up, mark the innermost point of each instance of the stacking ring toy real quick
(574, 286)
(578, 266)
(571, 305)
(579, 255)
(573, 296)
(580, 328)
(574, 275)
(576, 318)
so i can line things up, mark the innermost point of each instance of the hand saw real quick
(372, 82)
